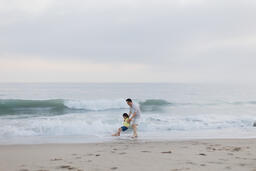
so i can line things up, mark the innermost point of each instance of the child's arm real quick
(133, 115)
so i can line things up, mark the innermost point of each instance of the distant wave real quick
(242, 102)
(18, 106)
(62, 106)
(154, 105)
(56, 106)
(154, 102)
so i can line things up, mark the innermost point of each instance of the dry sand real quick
(196, 155)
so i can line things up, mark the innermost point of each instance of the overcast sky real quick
(128, 41)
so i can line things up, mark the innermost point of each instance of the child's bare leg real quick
(118, 132)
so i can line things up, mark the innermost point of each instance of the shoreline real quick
(203, 154)
(127, 139)
(248, 133)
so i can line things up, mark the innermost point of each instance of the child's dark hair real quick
(125, 115)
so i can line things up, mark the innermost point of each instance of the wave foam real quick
(96, 105)
(103, 124)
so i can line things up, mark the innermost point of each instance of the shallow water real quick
(91, 112)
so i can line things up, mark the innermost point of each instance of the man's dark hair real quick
(126, 115)
(129, 100)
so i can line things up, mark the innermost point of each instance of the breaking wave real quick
(62, 106)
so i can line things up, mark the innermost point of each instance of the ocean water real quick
(59, 112)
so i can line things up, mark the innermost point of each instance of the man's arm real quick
(133, 115)
(130, 112)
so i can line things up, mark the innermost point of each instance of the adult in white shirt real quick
(134, 115)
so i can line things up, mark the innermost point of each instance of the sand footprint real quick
(56, 159)
(67, 167)
(122, 153)
(166, 152)
(114, 168)
(202, 154)
(228, 167)
(215, 162)
(146, 151)
(236, 149)
(181, 169)
(192, 163)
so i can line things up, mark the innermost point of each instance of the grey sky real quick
(127, 41)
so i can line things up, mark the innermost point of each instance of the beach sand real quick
(127, 155)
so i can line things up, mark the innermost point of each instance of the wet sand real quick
(196, 155)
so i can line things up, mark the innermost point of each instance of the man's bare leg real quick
(134, 127)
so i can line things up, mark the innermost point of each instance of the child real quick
(126, 125)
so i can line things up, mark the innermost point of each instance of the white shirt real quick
(135, 108)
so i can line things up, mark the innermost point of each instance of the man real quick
(135, 116)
